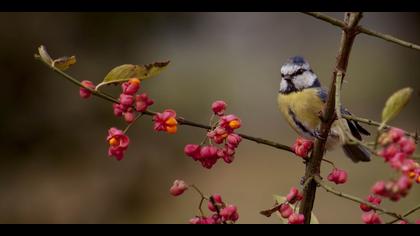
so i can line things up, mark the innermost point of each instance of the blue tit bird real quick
(301, 99)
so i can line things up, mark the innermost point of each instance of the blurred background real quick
(54, 166)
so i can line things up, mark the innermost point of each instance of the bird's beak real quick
(287, 78)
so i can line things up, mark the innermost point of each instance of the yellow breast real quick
(306, 105)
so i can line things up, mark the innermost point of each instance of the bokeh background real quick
(53, 163)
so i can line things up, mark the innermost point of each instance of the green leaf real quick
(63, 63)
(127, 71)
(395, 103)
(281, 199)
(43, 54)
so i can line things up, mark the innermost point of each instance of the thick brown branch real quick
(361, 29)
(313, 166)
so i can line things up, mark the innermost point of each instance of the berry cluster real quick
(287, 211)
(370, 216)
(222, 213)
(130, 103)
(396, 149)
(221, 133)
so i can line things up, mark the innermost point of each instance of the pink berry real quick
(143, 102)
(131, 87)
(293, 196)
(230, 122)
(229, 213)
(338, 176)
(118, 143)
(296, 218)
(371, 218)
(208, 151)
(129, 115)
(126, 100)
(193, 150)
(85, 93)
(395, 134)
(217, 198)
(178, 187)
(233, 140)
(302, 147)
(219, 107)
(379, 188)
(118, 109)
(408, 146)
(285, 210)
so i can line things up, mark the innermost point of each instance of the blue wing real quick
(355, 128)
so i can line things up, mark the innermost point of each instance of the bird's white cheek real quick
(283, 85)
(304, 81)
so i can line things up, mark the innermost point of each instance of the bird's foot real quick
(317, 134)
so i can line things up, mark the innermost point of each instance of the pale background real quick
(54, 166)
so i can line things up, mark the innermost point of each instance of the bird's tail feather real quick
(356, 152)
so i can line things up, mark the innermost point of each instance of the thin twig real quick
(361, 29)
(181, 120)
(389, 38)
(358, 200)
(409, 212)
(134, 121)
(203, 197)
(329, 162)
(415, 136)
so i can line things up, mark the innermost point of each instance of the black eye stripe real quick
(298, 72)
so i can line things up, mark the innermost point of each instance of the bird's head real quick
(296, 75)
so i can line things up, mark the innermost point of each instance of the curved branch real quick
(409, 212)
(361, 29)
(358, 200)
(415, 135)
(181, 120)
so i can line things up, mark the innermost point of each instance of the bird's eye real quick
(300, 71)
(282, 75)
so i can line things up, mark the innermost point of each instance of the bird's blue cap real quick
(297, 60)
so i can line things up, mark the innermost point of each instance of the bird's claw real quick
(317, 134)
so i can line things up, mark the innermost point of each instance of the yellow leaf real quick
(127, 71)
(395, 103)
(63, 63)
